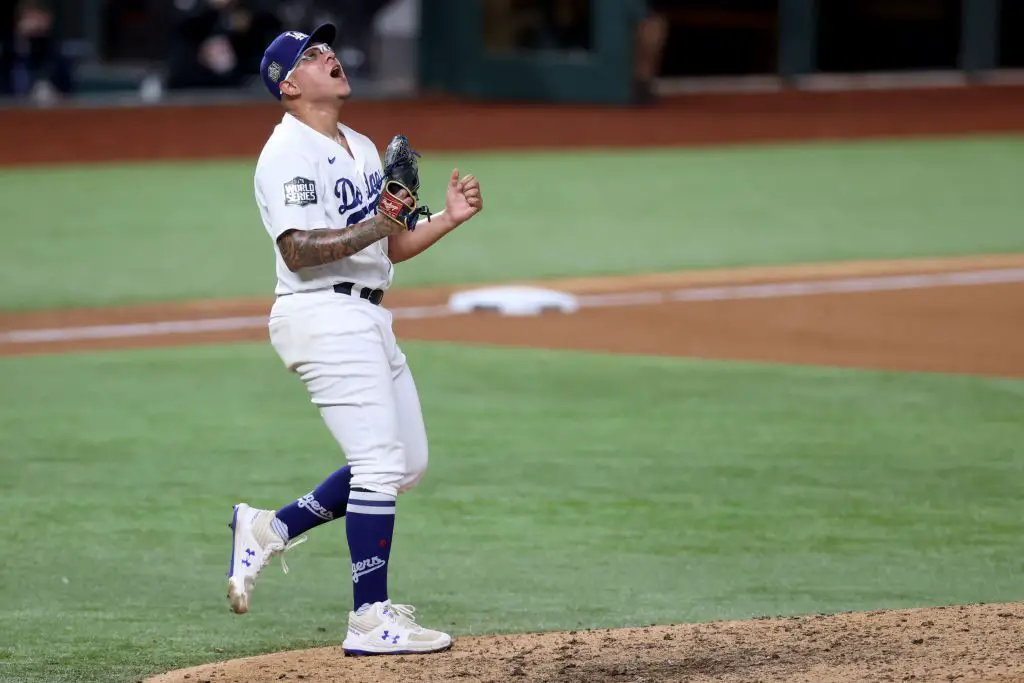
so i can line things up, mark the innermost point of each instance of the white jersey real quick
(306, 181)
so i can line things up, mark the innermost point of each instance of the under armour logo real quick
(386, 635)
(250, 552)
(247, 563)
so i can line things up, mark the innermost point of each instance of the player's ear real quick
(288, 88)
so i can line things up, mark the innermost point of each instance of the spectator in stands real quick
(6, 40)
(219, 43)
(651, 34)
(36, 66)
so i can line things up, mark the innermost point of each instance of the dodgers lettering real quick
(351, 197)
(299, 192)
(310, 503)
(373, 182)
(364, 567)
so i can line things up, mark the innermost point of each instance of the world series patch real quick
(299, 192)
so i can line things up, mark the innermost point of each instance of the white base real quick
(513, 300)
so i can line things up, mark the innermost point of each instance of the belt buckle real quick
(374, 296)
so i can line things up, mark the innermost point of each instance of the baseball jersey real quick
(306, 181)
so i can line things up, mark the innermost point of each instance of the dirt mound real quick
(958, 643)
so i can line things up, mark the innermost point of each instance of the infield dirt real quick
(962, 643)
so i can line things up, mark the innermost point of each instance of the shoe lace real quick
(403, 614)
(285, 548)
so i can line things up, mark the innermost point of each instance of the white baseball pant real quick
(344, 350)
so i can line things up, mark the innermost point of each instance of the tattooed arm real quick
(305, 248)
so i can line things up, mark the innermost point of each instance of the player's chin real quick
(341, 84)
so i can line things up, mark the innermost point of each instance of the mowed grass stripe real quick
(566, 490)
(134, 233)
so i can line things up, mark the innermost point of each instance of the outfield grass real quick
(98, 235)
(566, 490)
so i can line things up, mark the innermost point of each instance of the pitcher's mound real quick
(960, 643)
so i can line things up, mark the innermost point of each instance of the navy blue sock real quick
(369, 525)
(323, 504)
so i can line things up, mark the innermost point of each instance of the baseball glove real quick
(401, 172)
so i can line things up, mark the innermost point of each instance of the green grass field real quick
(552, 500)
(123, 234)
(566, 490)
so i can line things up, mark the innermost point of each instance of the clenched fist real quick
(463, 199)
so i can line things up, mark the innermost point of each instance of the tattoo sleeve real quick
(305, 248)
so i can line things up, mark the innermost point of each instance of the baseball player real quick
(339, 219)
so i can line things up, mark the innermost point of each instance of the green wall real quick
(454, 59)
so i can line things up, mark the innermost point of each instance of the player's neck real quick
(323, 120)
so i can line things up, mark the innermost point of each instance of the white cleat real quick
(253, 543)
(386, 629)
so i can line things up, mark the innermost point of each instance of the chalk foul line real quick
(778, 290)
(775, 290)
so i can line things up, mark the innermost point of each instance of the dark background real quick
(705, 37)
(734, 37)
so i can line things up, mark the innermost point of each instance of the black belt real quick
(374, 296)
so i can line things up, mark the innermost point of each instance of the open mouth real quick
(336, 71)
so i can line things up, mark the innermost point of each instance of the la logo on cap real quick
(297, 35)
